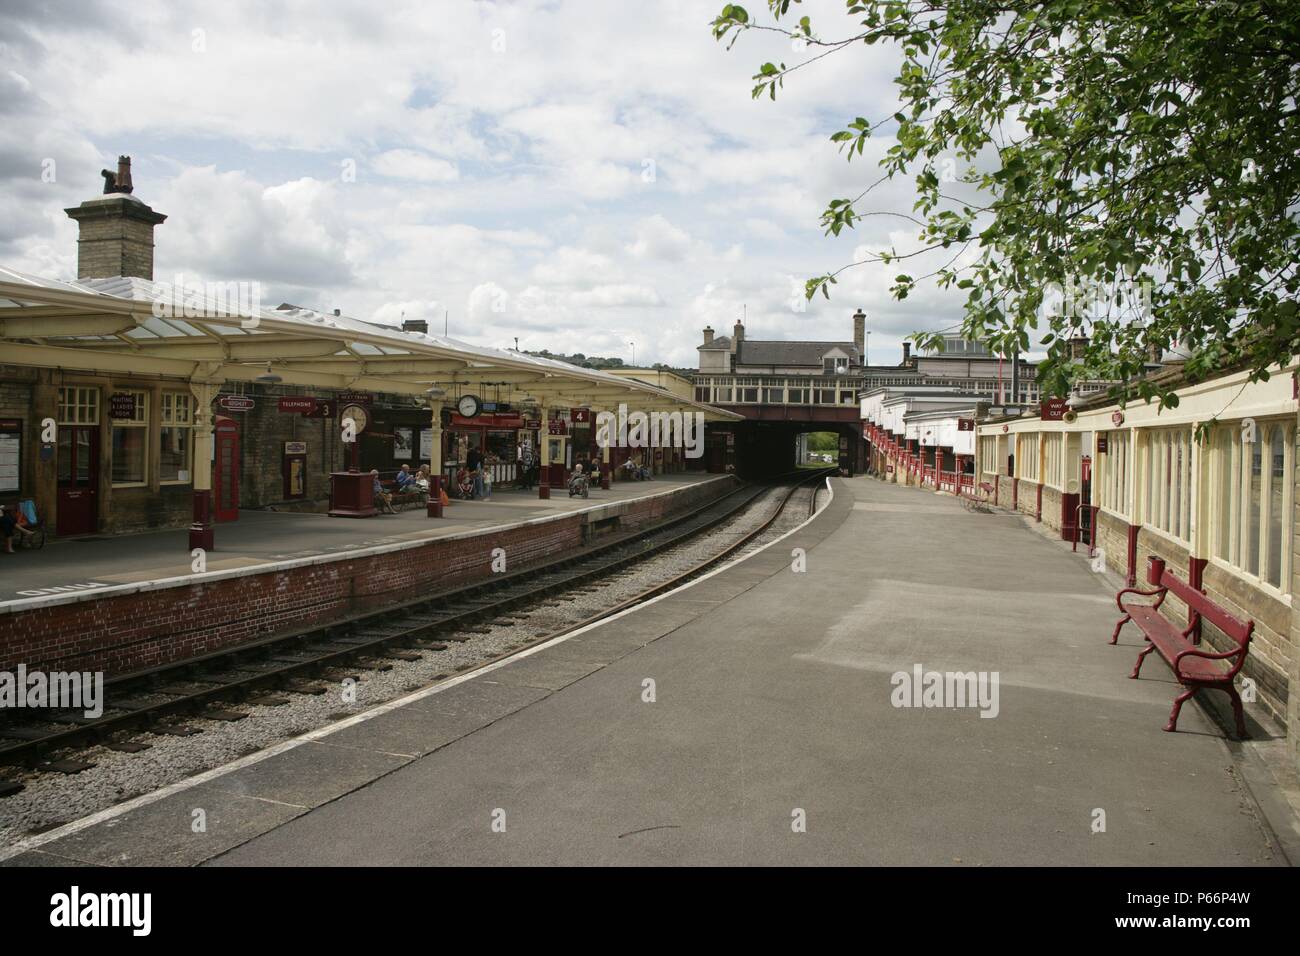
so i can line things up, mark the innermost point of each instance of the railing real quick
(967, 484)
(501, 472)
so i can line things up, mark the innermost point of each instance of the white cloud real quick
(502, 151)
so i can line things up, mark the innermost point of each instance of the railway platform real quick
(756, 716)
(261, 539)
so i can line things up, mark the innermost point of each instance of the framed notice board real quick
(11, 453)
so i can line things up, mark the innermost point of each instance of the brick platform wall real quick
(146, 628)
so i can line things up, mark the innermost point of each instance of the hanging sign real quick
(356, 398)
(236, 403)
(580, 416)
(1052, 409)
(965, 424)
(299, 404)
(121, 405)
(556, 427)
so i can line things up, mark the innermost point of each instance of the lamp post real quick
(633, 344)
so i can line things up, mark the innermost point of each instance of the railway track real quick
(255, 673)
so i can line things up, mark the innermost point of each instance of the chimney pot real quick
(115, 230)
(336, 312)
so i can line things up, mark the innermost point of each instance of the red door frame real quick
(225, 437)
(78, 501)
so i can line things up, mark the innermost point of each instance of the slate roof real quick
(774, 352)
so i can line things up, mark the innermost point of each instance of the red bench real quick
(1193, 667)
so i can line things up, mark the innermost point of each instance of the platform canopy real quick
(133, 326)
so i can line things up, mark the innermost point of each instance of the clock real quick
(358, 415)
(469, 406)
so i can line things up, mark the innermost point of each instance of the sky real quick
(580, 176)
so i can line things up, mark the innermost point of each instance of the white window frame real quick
(167, 419)
(140, 419)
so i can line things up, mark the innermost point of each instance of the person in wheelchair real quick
(464, 484)
(578, 483)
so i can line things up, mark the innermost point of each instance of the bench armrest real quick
(1158, 594)
(1208, 655)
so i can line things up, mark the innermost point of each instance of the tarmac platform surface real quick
(771, 737)
(262, 537)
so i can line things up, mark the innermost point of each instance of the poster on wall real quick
(426, 444)
(403, 443)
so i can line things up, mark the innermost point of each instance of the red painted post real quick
(433, 506)
(202, 534)
(1196, 579)
(1132, 554)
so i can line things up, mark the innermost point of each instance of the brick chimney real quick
(907, 353)
(1078, 346)
(737, 336)
(708, 335)
(415, 325)
(116, 230)
(860, 333)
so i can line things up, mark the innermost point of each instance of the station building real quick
(129, 404)
(783, 389)
(1209, 487)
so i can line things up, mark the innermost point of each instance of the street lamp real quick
(633, 344)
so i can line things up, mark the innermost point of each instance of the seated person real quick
(383, 500)
(422, 478)
(9, 527)
(404, 478)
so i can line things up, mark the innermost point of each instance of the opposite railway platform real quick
(263, 539)
(752, 717)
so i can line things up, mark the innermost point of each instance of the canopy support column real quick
(543, 466)
(433, 508)
(201, 531)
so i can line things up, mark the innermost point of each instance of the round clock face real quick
(468, 406)
(357, 414)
